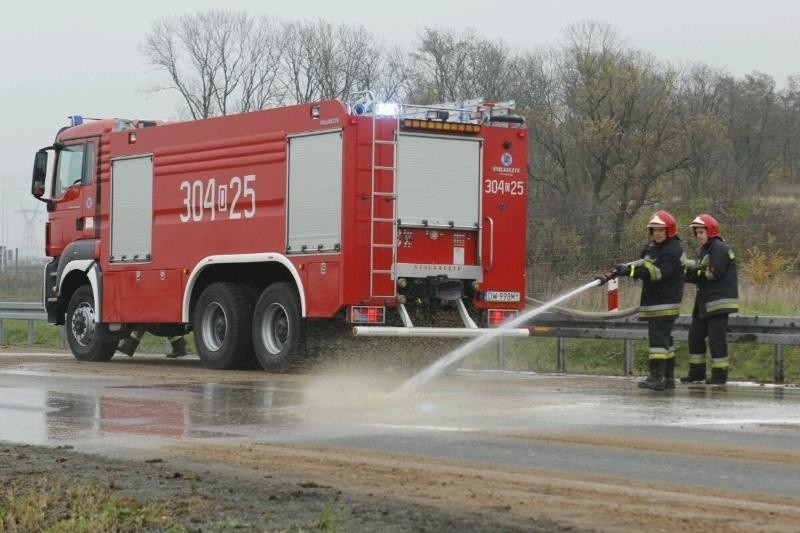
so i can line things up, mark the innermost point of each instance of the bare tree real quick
(752, 129)
(442, 57)
(262, 51)
(790, 130)
(323, 61)
(457, 66)
(488, 72)
(299, 63)
(166, 47)
(604, 120)
(702, 103)
(360, 58)
(211, 59)
(392, 77)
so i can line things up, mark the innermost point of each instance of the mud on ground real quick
(269, 487)
(190, 496)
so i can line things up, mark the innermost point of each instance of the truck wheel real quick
(277, 327)
(221, 324)
(83, 333)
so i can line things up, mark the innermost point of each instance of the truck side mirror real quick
(39, 174)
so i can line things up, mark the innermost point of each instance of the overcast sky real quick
(59, 59)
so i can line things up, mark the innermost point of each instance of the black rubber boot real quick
(669, 373)
(719, 376)
(178, 348)
(697, 373)
(128, 345)
(655, 381)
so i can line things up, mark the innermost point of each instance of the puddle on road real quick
(163, 411)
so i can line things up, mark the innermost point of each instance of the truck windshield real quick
(70, 169)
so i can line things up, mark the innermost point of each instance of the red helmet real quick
(708, 222)
(662, 219)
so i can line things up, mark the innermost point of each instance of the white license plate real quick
(501, 296)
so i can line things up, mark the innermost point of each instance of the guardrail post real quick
(561, 356)
(2, 332)
(31, 331)
(779, 377)
(628, 364)
(62, 338)
(501, 353)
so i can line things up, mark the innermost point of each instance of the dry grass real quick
(779, 296)
(53, 503)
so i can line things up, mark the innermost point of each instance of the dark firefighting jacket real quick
(716, 279)
(661, 271)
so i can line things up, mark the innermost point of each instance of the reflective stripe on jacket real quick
(661, 271)
(716, 280)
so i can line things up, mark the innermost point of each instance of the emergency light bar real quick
(387, 109)
(77, 120)
(439, 125)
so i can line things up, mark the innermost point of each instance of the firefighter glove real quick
(622, 270)
(604, 278)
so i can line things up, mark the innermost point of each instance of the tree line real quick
(614, 133)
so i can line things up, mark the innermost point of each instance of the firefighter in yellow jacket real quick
(714, 273)
(660, 269)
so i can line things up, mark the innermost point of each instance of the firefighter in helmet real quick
(660, 268)
(129, 344)
(714, 273)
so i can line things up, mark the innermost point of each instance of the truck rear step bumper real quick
(388, 331)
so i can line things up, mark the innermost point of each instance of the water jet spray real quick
(450, 360)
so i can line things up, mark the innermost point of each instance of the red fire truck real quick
(242, 228)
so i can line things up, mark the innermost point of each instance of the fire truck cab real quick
(243, 227)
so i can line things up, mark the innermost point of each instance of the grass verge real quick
(55, 504)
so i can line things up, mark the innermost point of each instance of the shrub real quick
(766, 267)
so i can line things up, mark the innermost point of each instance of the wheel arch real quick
(256, 270)
(73, 275)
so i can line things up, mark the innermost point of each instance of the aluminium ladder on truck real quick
(362, 103)
(475, 111)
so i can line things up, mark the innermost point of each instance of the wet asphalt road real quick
(486, 417)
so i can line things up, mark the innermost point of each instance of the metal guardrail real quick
(778, 331)
(22, 310)
(30, 311)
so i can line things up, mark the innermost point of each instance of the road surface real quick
(581, 452)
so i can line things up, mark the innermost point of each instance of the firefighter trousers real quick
(714, 328)
(659, 335)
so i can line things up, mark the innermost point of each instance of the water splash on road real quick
(453, 358)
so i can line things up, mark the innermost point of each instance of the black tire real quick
(278, 328)
(83, 333)
(222, 320)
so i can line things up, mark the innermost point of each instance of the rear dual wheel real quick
(278, 327)
(229, 327)
(222, 322)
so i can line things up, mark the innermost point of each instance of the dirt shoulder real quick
(187, 494)
(293, 488)
(505, 498)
